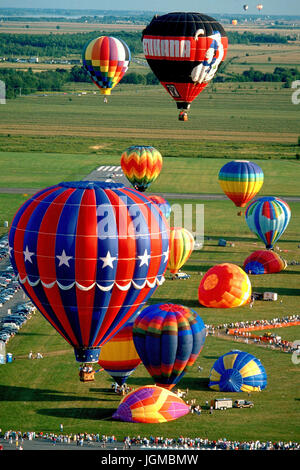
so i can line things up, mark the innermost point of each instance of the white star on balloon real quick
(28, 254)
(64, 259)
(166, 255)
(144, 258)
(108, 260)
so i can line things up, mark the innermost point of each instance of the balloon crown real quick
(91, 184)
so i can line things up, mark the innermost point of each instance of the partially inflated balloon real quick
(141, 165)
(106, 59)
(264, 262)
(241, 180)
(268, 218)
(238, 371)
(168, 339)
(224, 286)
(118, 356)
(163, 205)
(184, 51)
(181, 247)
(87, 256)
(150, 404)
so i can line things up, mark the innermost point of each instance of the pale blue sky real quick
(271, 7)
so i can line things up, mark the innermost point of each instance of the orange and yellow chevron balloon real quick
(181, 246)
(141, 165)
(224, 286)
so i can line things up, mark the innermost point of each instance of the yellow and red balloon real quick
(141, 165)
(181, 247)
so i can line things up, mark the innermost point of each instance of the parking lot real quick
(15, 307)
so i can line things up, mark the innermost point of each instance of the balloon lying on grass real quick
(141, 165)
(118, 356)
(225, 285)
(106, 60)
(168, 339)
(264, 262)
(184, 51)
(268, 217)
(237, 371)
(163, 205)
(150, 404)
(182, 244)
(85, 263)
(241, 180)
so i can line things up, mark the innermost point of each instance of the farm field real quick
(51, 137)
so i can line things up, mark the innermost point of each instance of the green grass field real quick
(47, 139)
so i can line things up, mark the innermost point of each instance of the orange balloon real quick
(224, 286)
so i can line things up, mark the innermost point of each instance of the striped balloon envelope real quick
(268, 217)
(118, 356)
(241, 180)
(168, 339)
(150, 404)
(224, 286)
(162, 204)
(106, 60)
(85, 262)
(238, 371)
(182, 244)
(264, 262)
(141, 165)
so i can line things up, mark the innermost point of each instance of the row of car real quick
(3, 247)
(12, 322)
(8, 284)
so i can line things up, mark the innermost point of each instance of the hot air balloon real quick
(150, 404)
(264, 262)
(85, 254)
(168, 339)
(238, 371)
(268, 217)
(234, 22)
(184, 51)
(118, 356)
(259, 6)
(224, 286)
(245, 7)
(163, 205)
(106, 60)
(181, 246)
(241, 180)
(141, 165)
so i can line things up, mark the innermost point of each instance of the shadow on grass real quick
(279, 290)
(79, 413)
(191, 303)
(19, 394)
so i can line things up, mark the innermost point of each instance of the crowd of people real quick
(17, 438)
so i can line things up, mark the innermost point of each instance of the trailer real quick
(221, 403)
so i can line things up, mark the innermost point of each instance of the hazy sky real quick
(271, 7)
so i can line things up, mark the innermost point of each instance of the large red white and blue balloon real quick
(88, 255)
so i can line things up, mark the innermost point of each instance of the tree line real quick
(62, 45)
(25, 82)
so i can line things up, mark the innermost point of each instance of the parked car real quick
(243, 404)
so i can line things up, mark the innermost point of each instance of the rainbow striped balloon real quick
(141, 165)
(118, 357)
(268, 218)
(264, 262)
(106, 60)
(237, 371)
(181, 246)
(150, 404)
(241, 180)
(224, 286)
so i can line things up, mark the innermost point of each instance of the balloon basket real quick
(86, 376)
(183, 116)
(240, 213)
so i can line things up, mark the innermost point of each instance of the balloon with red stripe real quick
(264, 262)
(168, 339)
(184, 51)
(182, 244)
(106, 60)
(163, 205)
(88, 254)
(268, 217)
